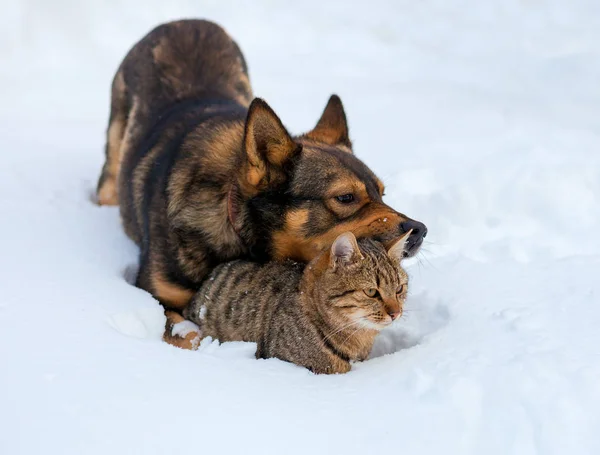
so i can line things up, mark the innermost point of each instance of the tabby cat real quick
(322, 315)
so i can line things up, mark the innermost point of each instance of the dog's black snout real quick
(419, 230)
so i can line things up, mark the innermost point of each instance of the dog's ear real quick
(332, 127)
(396, 251)
(267, 145)
(344, 251)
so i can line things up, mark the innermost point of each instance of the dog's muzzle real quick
(415, 240)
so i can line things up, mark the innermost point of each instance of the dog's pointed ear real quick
(396, 251)
(344, 250)
(332, 127)
(267, 145)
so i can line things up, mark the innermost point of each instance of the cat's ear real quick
(396, 251)
(345, 250)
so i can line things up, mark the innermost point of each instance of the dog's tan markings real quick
(296, 220)
(107, 192)
(190, 341)
(255, 174)
(288, 245)
(349, 185)
(344, 186)
(332, 127)
(290, 242)
(126, 143)
(118, 86)
(116, 130)
(170, 294)
(381, 220)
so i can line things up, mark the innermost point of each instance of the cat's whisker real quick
(419, 264)
(343, 327)
(411, 310)
(352, 334)
(431, 264)
(429, 242)
(421, 257)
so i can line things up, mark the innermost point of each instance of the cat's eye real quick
(345, 198)
(400, 289)
(371, 292)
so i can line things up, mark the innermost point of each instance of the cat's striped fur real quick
(321, 316)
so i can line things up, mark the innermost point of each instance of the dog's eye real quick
(371, 292)
(345, 198)
(400, 289)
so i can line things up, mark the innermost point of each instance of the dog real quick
(204, 173)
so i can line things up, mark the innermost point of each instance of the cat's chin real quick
(367, 324)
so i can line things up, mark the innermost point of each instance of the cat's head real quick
(360, 283)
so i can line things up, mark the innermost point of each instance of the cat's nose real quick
(394, 313)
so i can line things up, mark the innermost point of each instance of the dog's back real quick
(177, 61)
(188, 59)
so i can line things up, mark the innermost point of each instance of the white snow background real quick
(483, 119)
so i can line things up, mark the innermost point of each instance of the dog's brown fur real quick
(204, 175)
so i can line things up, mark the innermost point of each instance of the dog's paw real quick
(183, 334)
(107, 192)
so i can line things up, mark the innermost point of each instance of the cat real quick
(322, 316)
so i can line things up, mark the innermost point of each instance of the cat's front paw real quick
(336, 366)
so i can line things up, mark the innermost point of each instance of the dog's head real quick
(302, 192)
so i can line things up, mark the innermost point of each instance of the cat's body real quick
(319, 316)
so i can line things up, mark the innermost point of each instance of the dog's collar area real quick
(233, 208)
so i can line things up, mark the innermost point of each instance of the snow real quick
(483, 120)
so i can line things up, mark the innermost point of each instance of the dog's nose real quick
(415, 239)
(419, 230)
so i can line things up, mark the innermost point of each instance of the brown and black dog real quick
(204, 174)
